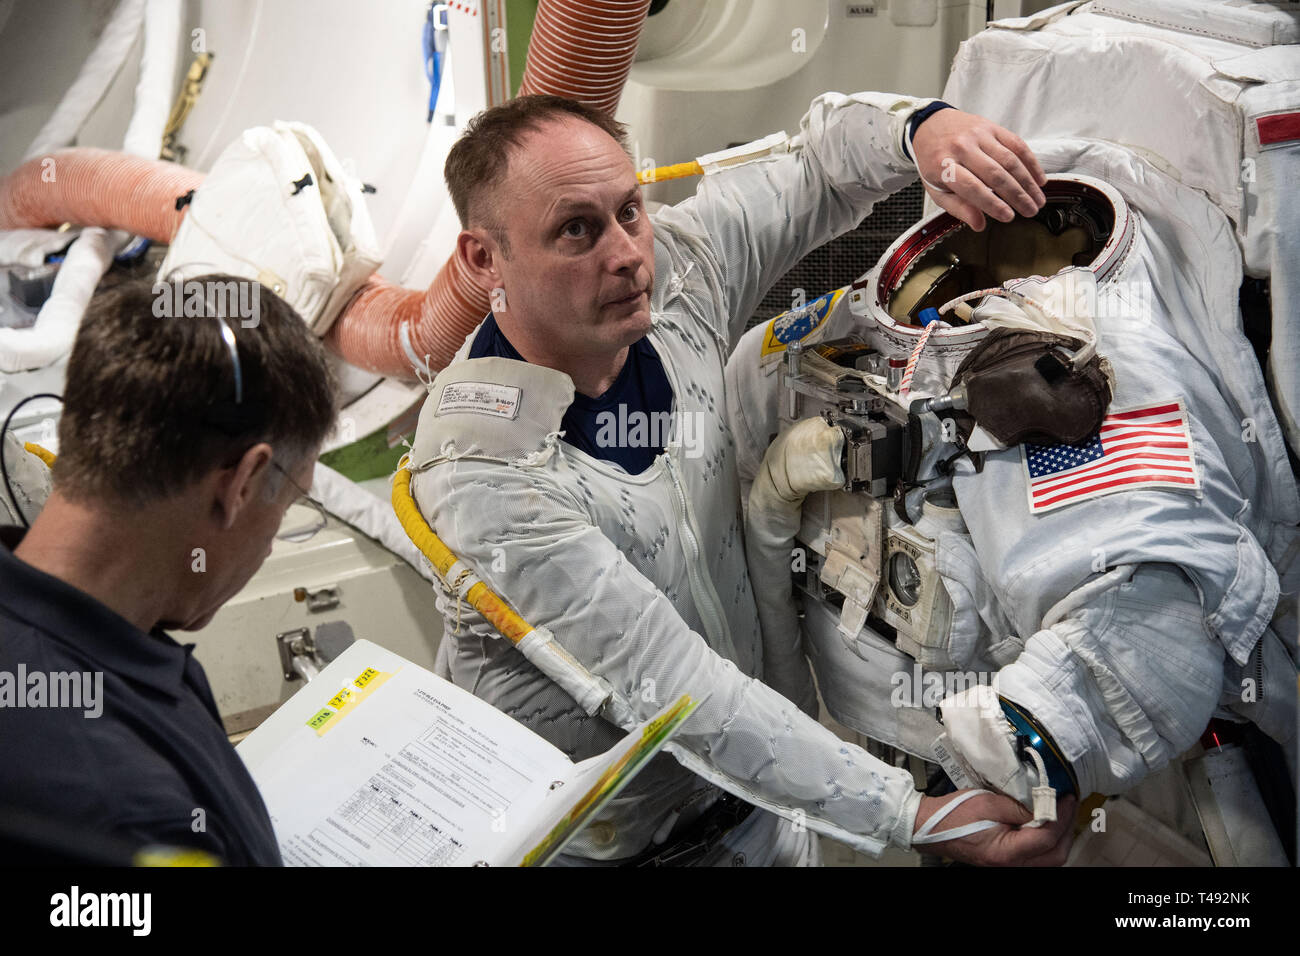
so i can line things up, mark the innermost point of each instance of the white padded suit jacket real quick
(642, 577)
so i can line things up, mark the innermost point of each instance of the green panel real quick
(366, 458)
(520, 15)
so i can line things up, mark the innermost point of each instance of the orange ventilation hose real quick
(97, 187)
(383, 319)
(583, 49)
(579, 48)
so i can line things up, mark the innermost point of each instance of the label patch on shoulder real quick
(797, 324)
(1277, 129)
(1145, 447)
(480, 398)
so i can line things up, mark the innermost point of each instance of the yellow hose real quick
(480, 596)
(44, 454)
(676, 171)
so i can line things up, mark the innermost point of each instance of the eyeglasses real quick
(303, 530)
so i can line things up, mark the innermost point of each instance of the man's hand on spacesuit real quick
(1011, 843)
(971, 167)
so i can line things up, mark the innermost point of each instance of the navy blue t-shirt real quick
(149, 763)
(628, 425)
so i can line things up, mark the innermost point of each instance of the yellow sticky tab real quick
(347, 700)
(317, 722)
(339, 699)
(44, 454)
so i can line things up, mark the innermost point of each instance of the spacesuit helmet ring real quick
(1084, 223)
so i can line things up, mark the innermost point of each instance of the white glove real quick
(986, 742)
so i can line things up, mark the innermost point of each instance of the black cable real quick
(4, 430)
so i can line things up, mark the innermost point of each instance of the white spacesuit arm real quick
(535, 546)
(800, 461)
(762, 218)
(1122, 682)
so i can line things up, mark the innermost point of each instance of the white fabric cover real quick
(986, 741)
(87, 259)
(1208, 71)
(605, 560)
(254, 217)
(156, 87)
(1062, 304)
(29, 477)
(29, 247)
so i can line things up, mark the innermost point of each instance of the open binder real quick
(378, 762)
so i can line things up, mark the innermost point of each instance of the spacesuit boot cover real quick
(1121, 588)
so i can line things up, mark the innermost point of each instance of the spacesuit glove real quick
(801, 460)
(985, 743)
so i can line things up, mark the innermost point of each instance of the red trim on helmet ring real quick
(931, 232)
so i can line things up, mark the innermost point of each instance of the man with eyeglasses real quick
(183, 441)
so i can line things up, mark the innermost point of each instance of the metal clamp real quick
(298, 656)
(322, 599)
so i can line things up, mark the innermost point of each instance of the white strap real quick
(1043, 794)
(460, 577)
(927, 835)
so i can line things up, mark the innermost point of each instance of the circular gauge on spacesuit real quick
(904, 579)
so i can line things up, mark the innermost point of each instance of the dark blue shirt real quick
(154, 755)
(629, 425)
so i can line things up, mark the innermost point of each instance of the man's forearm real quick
(763, 217)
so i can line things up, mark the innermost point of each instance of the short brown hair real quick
(479, 159)
(150, 403)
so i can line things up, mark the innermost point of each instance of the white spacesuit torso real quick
(1125, 671)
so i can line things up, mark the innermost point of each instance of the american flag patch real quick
(1150, 446)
